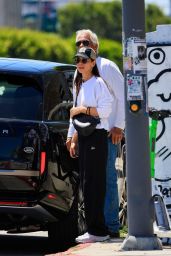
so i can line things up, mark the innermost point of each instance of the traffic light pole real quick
(139, 194)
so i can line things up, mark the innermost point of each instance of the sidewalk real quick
(109, 248)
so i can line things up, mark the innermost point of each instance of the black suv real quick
(38, 179)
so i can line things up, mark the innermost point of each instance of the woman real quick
(91, 96)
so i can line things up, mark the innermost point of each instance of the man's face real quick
(83, 40)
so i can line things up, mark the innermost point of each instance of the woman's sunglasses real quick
(82, 60)
(84, 42)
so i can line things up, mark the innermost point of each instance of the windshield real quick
(20, 98)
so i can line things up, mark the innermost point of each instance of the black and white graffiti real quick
(159, 97)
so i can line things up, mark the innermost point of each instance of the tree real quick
(24, 43)
(104, 18)
(155, 16)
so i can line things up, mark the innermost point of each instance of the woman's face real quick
(84, 65)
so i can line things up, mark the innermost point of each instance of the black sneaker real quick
(114, 234)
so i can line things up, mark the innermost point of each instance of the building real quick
(10, 13)
(39, 14)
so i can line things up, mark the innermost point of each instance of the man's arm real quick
(115, 81)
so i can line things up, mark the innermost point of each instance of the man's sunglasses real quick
(84, 42)
(82, 60)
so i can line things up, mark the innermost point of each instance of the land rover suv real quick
(38, 179)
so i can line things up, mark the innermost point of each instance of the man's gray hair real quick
(92, 35)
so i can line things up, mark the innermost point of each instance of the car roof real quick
(30, 65)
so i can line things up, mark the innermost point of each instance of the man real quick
(114, 80)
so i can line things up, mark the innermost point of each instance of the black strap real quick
(77, 92)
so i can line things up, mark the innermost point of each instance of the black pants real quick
(92, 164)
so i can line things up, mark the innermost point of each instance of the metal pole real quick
(139, 194)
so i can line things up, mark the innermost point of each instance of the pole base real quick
(132, 243)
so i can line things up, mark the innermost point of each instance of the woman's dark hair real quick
(78, 79)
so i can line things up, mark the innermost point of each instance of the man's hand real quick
(116, 135)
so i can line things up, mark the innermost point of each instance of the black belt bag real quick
(85, 124)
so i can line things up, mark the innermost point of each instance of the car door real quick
(62, 169)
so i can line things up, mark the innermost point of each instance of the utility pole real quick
(139, 194)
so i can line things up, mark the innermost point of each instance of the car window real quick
(58, 97)
(20, 98)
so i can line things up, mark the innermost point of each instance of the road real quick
(27, 244)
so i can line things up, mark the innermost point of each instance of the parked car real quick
(38, 179)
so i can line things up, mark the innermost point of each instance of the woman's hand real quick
(73, 150)
(74, 146)
(68, 143)
(77, 110)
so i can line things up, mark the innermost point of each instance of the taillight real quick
(42, 162)
(52, 196)
(13, 203)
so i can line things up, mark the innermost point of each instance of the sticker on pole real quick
(134, 87)
(136, 50)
